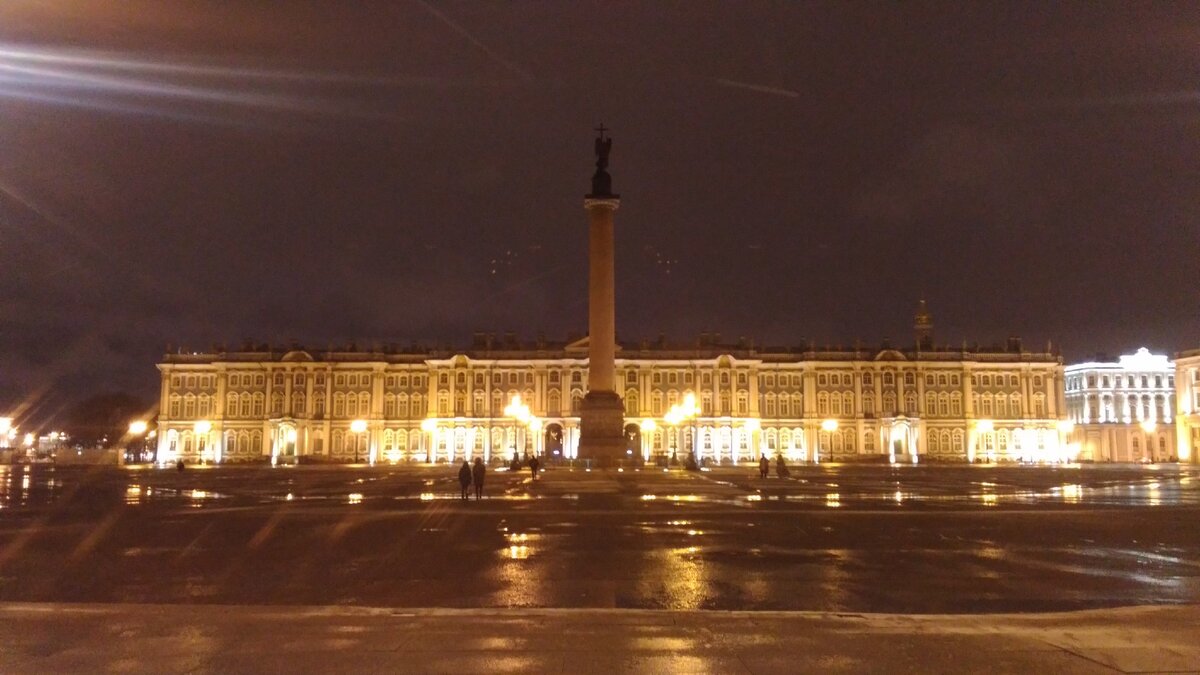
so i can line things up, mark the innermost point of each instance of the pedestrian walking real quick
(764, 466)
(464, 479)
(477, 473)
(781, 469)
(534, 464)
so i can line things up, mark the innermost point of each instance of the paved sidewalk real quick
(44, 638)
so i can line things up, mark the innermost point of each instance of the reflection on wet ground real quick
(843, 538)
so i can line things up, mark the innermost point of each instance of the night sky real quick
(194, 173)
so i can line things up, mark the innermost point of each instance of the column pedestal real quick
(602, 427)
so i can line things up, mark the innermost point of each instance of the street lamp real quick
(201, 429)
(648, 426)
(829, 425)
(137, 427)
(429, 426)
(358, 427)
(519, 412)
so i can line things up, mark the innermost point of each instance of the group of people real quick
(764, 467)
(474, 474)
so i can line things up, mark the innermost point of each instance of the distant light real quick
(137, 427)
(202, 427)
(829, 425)
(358, 426)
(984, 425)
(1149, 426)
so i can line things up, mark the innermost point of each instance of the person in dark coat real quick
(464, 479)
(477, 473)
(533, 466)
(764, 466)
(781, 469)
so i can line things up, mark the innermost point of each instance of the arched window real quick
(631, 402)
(478, 403)
(743, 403)
(867, 379)
(460, 403)
(389, 406)
(231, 404)
(835, 407)
(364, 404)
(822, 403)
(189, 406)
(656, 403)
(339, 405)
(553, 403)
(1039, 405)
(956, 404)
(725, 407)
(887, 379)
(276, 404)
(869, 441)
(577, 401)
(889, 403)
(930, 403)
(1014, 406)
(770, 404)
(418, 406)
(298, 403)
(910, 403)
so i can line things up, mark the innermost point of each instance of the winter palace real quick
(502, 397)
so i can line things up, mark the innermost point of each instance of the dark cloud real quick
(198, 172)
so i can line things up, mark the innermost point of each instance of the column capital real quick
(610, 203)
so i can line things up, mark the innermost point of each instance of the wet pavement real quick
(926, 539)
(218, 639)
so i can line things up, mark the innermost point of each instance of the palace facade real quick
(1187, 400)
(501, 397)
(1122, 411)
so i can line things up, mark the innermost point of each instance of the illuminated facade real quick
(1121, 411)
(1187, 411)
(808, 404)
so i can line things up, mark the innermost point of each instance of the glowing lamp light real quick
(1149, 426)
(985, 426)
(428, 425)
(829, 425)
(202, 427)
(29, 439)
(1066, 426)
(753, 424)
(648, 425)
(6, 425)
(358, 426)
(137, 427)
(689, 405)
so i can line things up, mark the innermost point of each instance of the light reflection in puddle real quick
(988, 499)
(833, 500)
(427, 496)
(354, 498)
(1072, 493)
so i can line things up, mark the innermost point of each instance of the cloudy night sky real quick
(194, 172)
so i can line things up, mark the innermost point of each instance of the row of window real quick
(1076, 383)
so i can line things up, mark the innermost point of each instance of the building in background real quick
(1122, 411)
(1187, 405)
(501, 398)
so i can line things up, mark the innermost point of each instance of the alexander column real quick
(602, 416)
